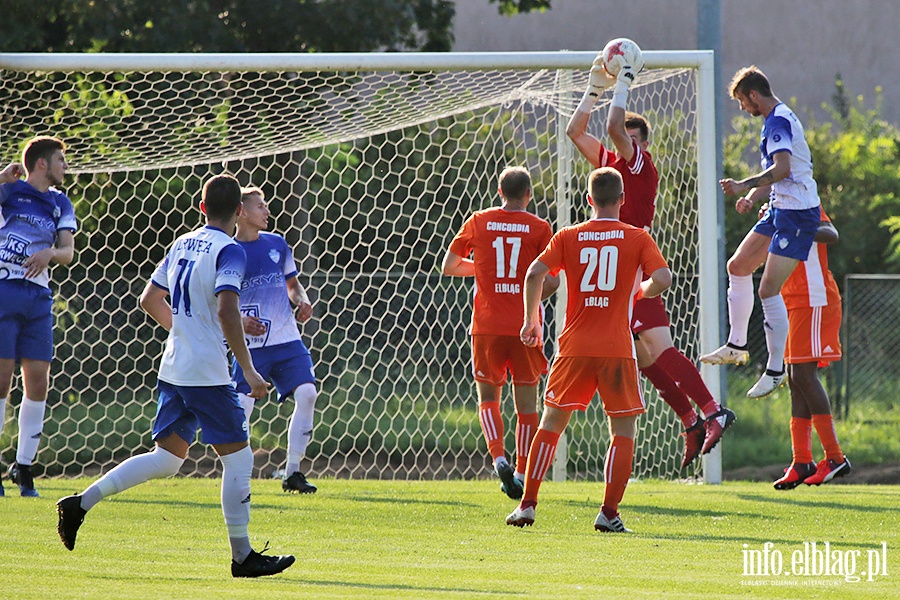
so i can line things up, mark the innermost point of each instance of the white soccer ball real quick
(622, 52)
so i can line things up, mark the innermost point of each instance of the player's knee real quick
(305, 395)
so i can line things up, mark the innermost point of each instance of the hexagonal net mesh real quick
(369, 175)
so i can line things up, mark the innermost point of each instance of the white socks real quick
(740, 306)
(301, 425)
(776, 328)
(134, 471)
(237, 468)
(31, 424)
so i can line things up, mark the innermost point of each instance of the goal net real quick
(370, 164)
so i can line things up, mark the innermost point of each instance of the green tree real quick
(856, 163)
(238, 25)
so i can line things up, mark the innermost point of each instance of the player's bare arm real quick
(153, 301)
(551, 284)
(588, 145)
(532, 331)
(660, 280)
(12, 172)
(780, 169)
(615, 128)
(252, 325)
(229, 314)
(63, 253)
(458, 266)
(300, 299)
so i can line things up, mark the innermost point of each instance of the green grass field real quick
(385, 539)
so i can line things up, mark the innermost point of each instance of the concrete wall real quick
(799, 44)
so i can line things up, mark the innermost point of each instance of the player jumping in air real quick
(666, 367)
(781, 239)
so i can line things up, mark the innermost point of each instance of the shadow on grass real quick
(838, 506)
(402, 500)
(423, 589)
(666, 510)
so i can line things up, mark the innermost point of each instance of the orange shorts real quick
(493, 355)
(814, 334)
(574, 380)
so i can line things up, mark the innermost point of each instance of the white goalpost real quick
(370, 163)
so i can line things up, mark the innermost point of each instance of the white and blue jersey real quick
(782, 132)
(199, 265)
(279, 354)
(29, 222)
(270, 263)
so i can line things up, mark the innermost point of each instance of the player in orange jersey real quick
(604, 260)
(666, 367)
(502, 242)
(813, 304)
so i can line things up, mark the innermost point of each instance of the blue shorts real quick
(26, 320)
(285, 365)
(792, 231)
(215, 410)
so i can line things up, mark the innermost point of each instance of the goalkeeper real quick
(670, 371)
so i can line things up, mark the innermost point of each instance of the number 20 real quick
(605, 263)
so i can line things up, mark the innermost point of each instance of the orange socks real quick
(543, 447)
(492, 426)
(617, 471)
(824, 425)
(526, 426)
(801, 444)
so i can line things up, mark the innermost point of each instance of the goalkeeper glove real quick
(626, 76)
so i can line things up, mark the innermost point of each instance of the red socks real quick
(824, 425)
(801, 446)
(543, 447)
(616, 473)
(492, 426)
(688, 379)
(669, 392)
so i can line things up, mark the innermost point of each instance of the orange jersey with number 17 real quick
(502, 243)
(604, 260)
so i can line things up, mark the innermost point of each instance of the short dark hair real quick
(636, 121)
(750, 79)
(40, 147)
(515, 182)
(606, 186)
(221, 195)
(250, 190)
